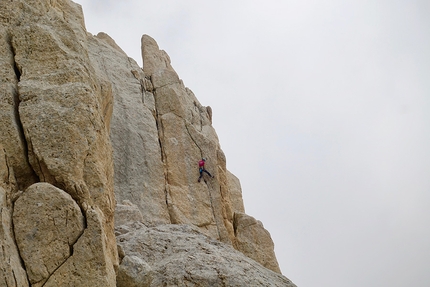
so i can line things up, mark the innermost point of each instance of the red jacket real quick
(201, 163)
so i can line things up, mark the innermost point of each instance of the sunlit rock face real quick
(54, 114)
(84, 127)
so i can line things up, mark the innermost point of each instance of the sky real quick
(323, 111)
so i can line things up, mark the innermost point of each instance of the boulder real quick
(180, 255)
(47, 224)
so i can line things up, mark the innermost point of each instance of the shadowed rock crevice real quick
(17, 70)
(158, 125)
(43, 171)
(25, 175)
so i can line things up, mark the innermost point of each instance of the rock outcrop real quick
(82, 127)
(180, 255)
(53, 130)
(47, 224)
(12, 272)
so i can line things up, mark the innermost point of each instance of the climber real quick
(202, 169)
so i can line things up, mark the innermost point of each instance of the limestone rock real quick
(68, 143)
(186, 135)
(127, 212)
(4, 168)
(236, 193)
(90, 264)
(254, 241)
(54, 116)
(12, 273)
(154, 60)
(47, 223)
(139, 170)
(179, 255)
(134, 272)
(11, 135)
(159, 132)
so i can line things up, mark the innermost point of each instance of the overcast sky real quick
(323, 111)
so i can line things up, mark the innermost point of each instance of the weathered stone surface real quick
(5, 170)
(134, 272)
(180, 255)
(68, 143)
(11, 135)
(154, 60)
(186, 135)
(236, 193)
(255, 241)
(90, 264)
(55, 112)
(12, 273)
(47, 223)
(139, 170)
(127, 212)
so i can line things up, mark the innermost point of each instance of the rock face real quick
(12, 272)
(180, 255)
(255, 241)
(54, 115)
(139, 169)
(82, 127)
(47, 223)
(186, 135)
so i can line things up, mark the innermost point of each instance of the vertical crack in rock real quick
(7, 166)
(163, 156)
(188, 131)
(141, 81)
(16, 69)
(210, 187)
(43, 170)
(22, 183)
(197, 109)
(14, 277)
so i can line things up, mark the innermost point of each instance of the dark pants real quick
(201, 170)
